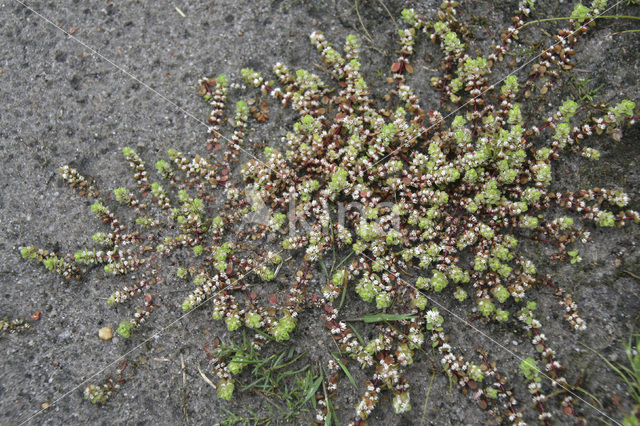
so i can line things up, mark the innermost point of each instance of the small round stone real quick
(105, 333)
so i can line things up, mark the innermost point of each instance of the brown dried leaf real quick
(205, 378)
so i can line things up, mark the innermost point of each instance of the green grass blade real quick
(324, 269)
(387, 317)
(344, 291)
(345, 369)
(358, 336)
(312, 390)
(344, 260)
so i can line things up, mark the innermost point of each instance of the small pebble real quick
(105, 333)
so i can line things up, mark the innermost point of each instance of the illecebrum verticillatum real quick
(427, 204)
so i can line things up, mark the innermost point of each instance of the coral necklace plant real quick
(424, 203)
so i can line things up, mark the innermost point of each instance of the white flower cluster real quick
(577, 323)
(218, 97)
(387, 372)
(368, 401)
(75, 180)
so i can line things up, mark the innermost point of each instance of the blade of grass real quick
(369, 318)
(289, 373)
(277, 367)
(344, 290)
(291, 350)
(622, 371)
(566, 18)
(389, 13)
(345, 369)
(590, 395)
(333, 245)
(358, 336)
(313, 389)
(261, 363)
(426, 400)
(263, 334)
(277, 361)
(368, 35)
(331, 414)
(344, 260)
(255, 385)
(324, 269)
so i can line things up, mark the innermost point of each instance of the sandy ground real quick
(128, 77)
